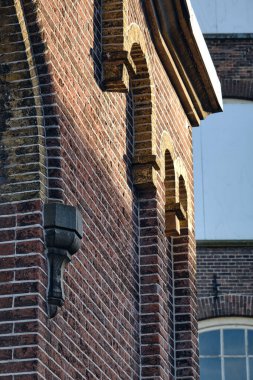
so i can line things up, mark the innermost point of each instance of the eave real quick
(185, 56)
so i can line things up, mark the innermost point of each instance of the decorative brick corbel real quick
(145, 173)
(63, 235)
(118, 67)
(174, 214)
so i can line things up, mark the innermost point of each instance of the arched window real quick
(226, 349)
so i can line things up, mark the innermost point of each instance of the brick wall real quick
(232, 58)
(73, 143)
(232, 268)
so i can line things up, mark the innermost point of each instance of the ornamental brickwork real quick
(91, 119)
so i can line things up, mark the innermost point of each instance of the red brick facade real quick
(125, 161)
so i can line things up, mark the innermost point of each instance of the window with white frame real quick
(226, 349)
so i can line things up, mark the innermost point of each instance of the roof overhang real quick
(182, 49)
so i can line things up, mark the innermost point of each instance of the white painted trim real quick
(204, 53)
(225, 322)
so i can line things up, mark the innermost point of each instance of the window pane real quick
(250, 369)
(234, 342)
(210, 369)
(209, 343)
(235, 369)
(250, 342)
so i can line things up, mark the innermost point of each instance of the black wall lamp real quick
(63, 235)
